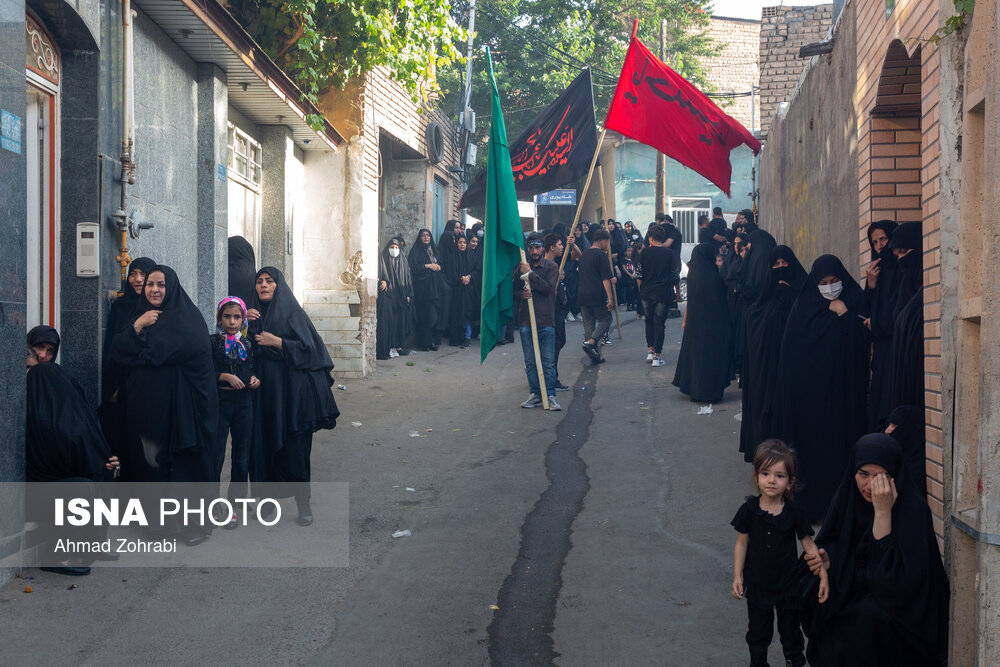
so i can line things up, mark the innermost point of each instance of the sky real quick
(750, 9)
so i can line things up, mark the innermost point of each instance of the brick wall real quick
(881, 41)
(782, 31)
(736, 68)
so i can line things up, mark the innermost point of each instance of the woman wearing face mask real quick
(765, 323)
(881, 292)
(822, 375)
(395, 293)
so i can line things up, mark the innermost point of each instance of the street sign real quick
(556, 198)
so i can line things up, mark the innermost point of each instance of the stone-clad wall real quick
(736, 68)
(783, 30)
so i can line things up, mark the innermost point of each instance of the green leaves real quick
(955, 22)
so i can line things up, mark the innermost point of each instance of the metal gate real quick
(685, 211)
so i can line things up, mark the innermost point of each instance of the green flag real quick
(503, 239)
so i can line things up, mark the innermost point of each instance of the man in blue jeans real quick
(542, 280)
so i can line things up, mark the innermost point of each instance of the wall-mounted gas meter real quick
(87, 250)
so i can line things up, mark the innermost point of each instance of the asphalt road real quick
(600, 533)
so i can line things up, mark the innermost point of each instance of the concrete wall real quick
(736, 68)
(783, 30)
(808, 168)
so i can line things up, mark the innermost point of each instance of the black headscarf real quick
(242, 268)
(396, 272)
(446, 244)
(895, 588)
(909, 433)
(427, 284)
(906, 366)
(822, 376)
(703, 367)
(887, 226)
(43, 333)
(560, 230)
(302, 347)
(178, 340)
(62, 437)
(766, 319)
(909, 236)
(756, 265)
(121, 315)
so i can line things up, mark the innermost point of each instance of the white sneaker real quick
(553, 406)
(657, 361)
(570, 318)
(533, 401)
(650, 356)
(393, 354)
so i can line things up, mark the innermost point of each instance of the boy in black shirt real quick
(657, 268)
(594, 295)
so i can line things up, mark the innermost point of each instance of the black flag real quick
(554, 150)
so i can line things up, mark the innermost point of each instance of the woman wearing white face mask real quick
(395, 294)
(822, 372)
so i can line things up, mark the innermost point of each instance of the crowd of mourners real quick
(172, 393)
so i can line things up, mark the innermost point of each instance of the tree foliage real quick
(325, 43)
(539, 46)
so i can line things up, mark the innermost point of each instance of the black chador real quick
(458, 274)
(294, 399)
(703, 367)
(753, 273)
(428, 290)
(394, 303)
(173, 406)
(765, 325)
(242, 268)
(822, 373)
(906, 369)
(881, 300)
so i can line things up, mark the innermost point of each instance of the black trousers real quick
(656, 319)
(761, 631)
(236, 416)
(560, 332)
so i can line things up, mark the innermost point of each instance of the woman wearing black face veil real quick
(428, 290)
(294, 399)
(395, 296)
(822, 374)
(754, 271)
(242, 268)
(906, 367)
(881, 291)
(888, 602)
(112, 410)
(707, 345)
(765, 324)
(173, 406)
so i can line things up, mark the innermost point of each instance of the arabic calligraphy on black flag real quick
(554, 150)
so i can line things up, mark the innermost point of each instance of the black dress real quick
(765, 324)
(906, 365)
(460, 310)
(294, 399)
(754, 271)
(242, 268)
(428, 292)
(703, 367)
(881, 307)
(173, 406)
(888, 602)
(822, 374)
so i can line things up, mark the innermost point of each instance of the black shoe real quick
(268, 512)
(67, 570)
(403, 353)
(561, 387)
(591, 350)
(234, 522)
(598, 360)
(305, 514)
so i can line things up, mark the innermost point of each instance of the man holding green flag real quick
(503, 241)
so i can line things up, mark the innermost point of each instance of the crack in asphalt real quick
(521, 630)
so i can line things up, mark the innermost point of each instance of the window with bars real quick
(244, 157)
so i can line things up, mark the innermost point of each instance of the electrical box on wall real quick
(87, 250)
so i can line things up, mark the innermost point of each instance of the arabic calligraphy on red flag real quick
(656, 106)
(554, 150)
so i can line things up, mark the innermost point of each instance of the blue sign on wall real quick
(556, 198)
(222, 172)
(10, 132)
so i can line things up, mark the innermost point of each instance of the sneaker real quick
(561, 387)
(570, 318)
(598, 360)
(606, 341)
(591, 350)
(393, 354)
(650, 356)
(553, 406)
(533, 401)
(659, 362)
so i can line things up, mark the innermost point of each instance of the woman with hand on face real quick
(889, 593)
(881, 291)
(294, 400)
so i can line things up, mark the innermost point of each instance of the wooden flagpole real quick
(534, 339)
(614, 292)
(579, 205)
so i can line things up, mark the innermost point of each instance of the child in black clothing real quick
(233, 354)
(766, 557)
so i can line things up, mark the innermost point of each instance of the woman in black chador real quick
(242, 268)
(476, 256)
(173, 406)
(822, 374)
(889, 593)
(294, 399)
(754, 271)
(765, 324)
(906, 367)
(703, 367)
(112, 410)
(428, 290)
(881, 291)
(458, 273)
(395, 296)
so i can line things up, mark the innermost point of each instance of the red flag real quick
(656, 106)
